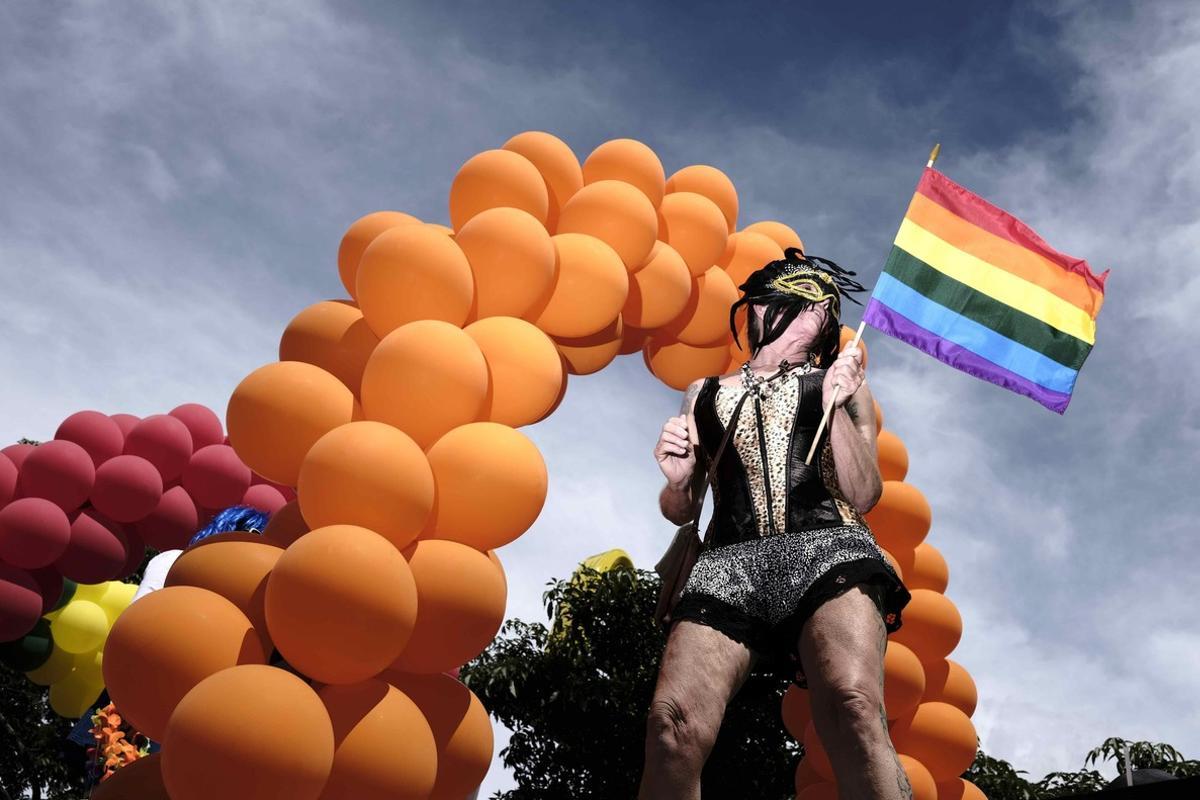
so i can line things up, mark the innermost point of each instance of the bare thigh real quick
(701, 670)
(842, 644)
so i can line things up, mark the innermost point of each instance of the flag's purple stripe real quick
(895, 324)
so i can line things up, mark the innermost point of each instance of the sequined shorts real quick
(761, 592)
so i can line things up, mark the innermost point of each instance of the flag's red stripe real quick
(973, 208)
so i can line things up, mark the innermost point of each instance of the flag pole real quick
(933, 154)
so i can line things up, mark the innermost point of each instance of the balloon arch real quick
(396, 416)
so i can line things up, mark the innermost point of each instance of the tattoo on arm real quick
(689, 398)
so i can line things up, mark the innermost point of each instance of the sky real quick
(176, 179)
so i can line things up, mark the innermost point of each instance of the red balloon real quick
(61, 472)
(33, 532)
(204, 425)
(20, 603)
(125, 422)
(135, 552)
(215, 477)
(265, 498)
(95, 552)
(164, 441)
(96, 433)
(173, 521)
(127, 488)
(17, 453)
(8, 480)
(50, 584)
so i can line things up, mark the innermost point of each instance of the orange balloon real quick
(512, 258)
(926, 568)
(561, 392)
(589, 354)
(825, 790)
(931, 625)
(845, 336)
(807, 776)
(494, 179)
(557, 164)
(442, 229)
(891, 559)
(383, 747)
(360, 234)
(341, 604)
(411, 273)
(524, 369)
(711, 183)
(693, 225)
(705, 319)
(777, 232)
(617, 214)
(331, 335)
(425, 378)
(234, 566)
(371, 475)
(179, 635)
(491, 485)
(137, 780)
(947, 682)
(903, 680)
(286, 525)
(796, 711)
(632, 340)
(938, 735)
(959, 789)
(893, 456)
(461, 598)
(590, 287)
(901, 518)
(919, 778)
(677, 364)
(461, 728)
(814, 751)
(278, 411)
(270, 738)
(627, 160)
(746, 253)
(659, 290)
(878, 415)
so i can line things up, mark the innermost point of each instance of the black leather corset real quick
(809, 502)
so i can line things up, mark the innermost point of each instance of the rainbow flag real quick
(974, 287)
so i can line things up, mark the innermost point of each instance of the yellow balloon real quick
(74, 695)
(80, 627)
(57, 666)
(116, 598)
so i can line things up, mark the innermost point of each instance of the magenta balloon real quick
(204, 426)
(127, 488)
(172, 523)
(8, 480)
(125, 422)
(94, 432)
(163, 441)
(17, 453)
(61, 472)
(33, 532)
(50, 585)
(215, 477)
(20, 603)
(265, 498)
(95, 553)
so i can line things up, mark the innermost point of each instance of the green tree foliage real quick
(575, 694)
(37, 762)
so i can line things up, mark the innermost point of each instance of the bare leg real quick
(701, 670)
(842, 647)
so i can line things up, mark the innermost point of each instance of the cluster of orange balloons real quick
(929, 698)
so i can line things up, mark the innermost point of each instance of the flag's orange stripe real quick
(1004, 254)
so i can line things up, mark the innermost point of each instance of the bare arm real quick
(852, 436)
(676, 455)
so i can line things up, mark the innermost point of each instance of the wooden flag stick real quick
(829, 408)
(933, 154)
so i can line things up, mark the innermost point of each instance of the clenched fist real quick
(847, 373)
(674, 453)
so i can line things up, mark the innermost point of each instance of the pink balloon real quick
(50, 584)
(33, 532)
(94, 432)
(164, 441)
(8, 480)
(61, 472)
(172, 523)
(264, 498)
(204, 426)
(216, 477)
(95, 553)
(127, 488)
(17, 453)
(20, 603)
(125, 422)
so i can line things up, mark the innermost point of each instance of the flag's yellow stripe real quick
(997, 283)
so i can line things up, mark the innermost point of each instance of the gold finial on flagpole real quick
(933, 154)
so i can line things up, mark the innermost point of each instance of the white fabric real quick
(155, 576)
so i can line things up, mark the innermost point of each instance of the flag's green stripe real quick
(987, 311)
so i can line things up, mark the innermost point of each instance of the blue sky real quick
(177, 178)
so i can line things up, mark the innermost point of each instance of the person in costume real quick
(789, 578)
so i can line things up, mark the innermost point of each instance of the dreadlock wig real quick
(234, 518)
(787, 287)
